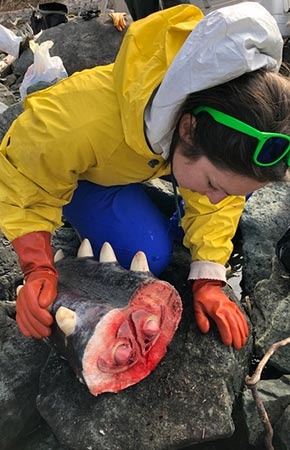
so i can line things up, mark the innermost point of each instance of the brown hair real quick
(260, 99)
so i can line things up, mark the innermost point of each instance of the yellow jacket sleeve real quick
(42, 156)
(209, 228)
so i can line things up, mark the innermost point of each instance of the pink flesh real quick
(122, 354)
(128, 343)
(151, 328)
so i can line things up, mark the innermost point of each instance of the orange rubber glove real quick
(209, 300)
(119, 20)
(39, 291)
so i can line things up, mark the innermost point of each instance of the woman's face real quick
(204, 177)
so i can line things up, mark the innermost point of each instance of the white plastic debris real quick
(9, 42)
(45, 68)
(3, 107)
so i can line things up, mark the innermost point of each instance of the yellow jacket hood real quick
(224, 45)
(141, 63)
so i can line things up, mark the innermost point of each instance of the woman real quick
(88, 142)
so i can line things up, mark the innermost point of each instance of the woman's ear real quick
(186, 125)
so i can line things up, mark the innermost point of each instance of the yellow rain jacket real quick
(90, 126)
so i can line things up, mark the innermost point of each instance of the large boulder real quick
(264, 220)
(21, 361)
(81, 44)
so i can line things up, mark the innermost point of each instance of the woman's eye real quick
(211, 186)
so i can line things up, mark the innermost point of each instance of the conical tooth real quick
(139, 263)
(107, 254)
(85, 249)
(59, 255)
(66, 319)
(18, 289)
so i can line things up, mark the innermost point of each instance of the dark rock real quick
(80, 44)
(6, 96)
(264, 220)
(41, 439)
(8, 116)
(275, 395)
(282, 439)
(21, 360)
(271, 316)
(10, 273)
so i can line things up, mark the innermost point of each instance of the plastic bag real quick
(9, 42)
(45, 68)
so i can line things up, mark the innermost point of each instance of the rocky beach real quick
(198, 397)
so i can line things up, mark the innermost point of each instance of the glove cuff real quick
(35, 253)
(204, 282)
(207, 269)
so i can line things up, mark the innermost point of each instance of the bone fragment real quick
(59, 255)
(107, 254)
(66, 319)
(139, 263)
(85, 249)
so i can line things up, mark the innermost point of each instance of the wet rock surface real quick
(20, 364)
(275, 395)
(196, 397)
(265, 219)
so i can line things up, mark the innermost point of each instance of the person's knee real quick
(158, 263)
(155, 242)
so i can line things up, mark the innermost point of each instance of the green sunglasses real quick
(271, 148)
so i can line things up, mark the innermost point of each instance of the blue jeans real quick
(124, 216)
